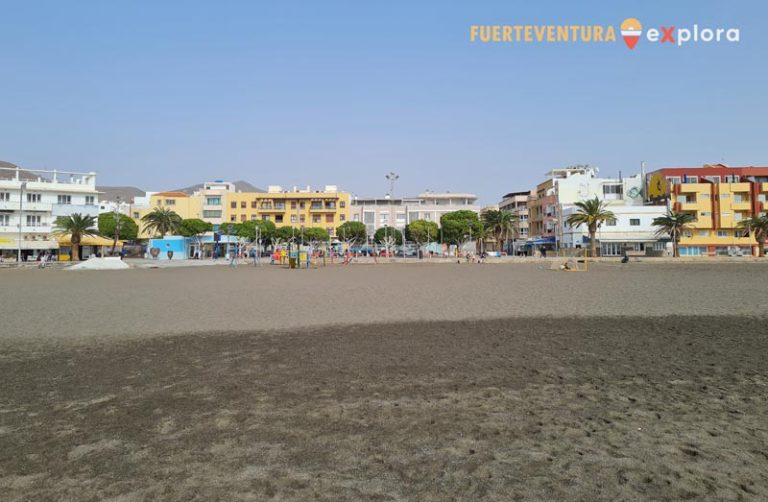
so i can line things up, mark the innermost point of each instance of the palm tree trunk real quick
(592, 245)
(761, 249)
(75, 252)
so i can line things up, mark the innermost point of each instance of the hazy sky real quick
(163, 94)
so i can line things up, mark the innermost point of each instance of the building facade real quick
(718, 197)
(397, 212)
(632, 233)
(517, 204)
(327, 208)
(30, 202)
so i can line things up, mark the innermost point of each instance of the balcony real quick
(27, 206)
(694, 187)
(69, 209)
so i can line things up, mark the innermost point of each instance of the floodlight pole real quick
(22, 187)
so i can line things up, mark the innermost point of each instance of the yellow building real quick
(718, 197)
(186, 206)
(325, 209)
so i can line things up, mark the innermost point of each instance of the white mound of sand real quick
(101, 264)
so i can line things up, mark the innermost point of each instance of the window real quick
(293, 218)
(342, 204)
(342, 217)
(368, 217)
(213, 201)
(634, 222)
(384, 218)
(254, 204)
(610, 223)
(761, 197)
(675, 180)
(242, 217)
(34, 197)
(722, 233)
(301, 205)
(293, 204)
(612, 192)
(315, 218)
(738, 198)
(713, 179)
(233, 205)
(233, 218)
(329, 218)
(243, 204)
(5, 220)
(703, 233)
(690, 179)
(264, 217)
(211, 214)
(731, 178)
(316, 205)
(705, 214)
(90, 200)
(64, 199)
(5, 196)
(254, 217)
(280, 206)
(33, 220)
(170, 202)
(302, 219)
(278, 218)
(687, 234)
(330, 205)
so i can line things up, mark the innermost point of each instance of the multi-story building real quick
(30, 202)
(718, 197)
(517, 204)
(185, 205)
(326, 208)
(632, 233)
(397, 212)
(554, 201)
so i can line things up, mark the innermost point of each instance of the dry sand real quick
(646, 382)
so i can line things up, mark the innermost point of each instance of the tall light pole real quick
(116, 215)
(391, 177)
(22, 187)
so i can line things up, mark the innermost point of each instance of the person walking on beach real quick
(43, 259)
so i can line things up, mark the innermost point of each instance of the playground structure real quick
(572, 260)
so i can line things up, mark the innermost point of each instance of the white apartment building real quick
(632, 233)
(30, 202)
(398, 212)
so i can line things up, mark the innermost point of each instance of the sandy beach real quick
(417, 382)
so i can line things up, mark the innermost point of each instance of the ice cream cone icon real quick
(631, 29)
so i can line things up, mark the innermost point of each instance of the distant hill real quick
(240, 186)
(126, 194)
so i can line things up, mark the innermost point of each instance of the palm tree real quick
(591, 213)
(76, 226)
(500, 223)
(673, 224)
(162, 221)
(759, 226)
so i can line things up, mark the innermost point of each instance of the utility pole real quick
(392, 177)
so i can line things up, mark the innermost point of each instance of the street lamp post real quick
(22, 187)
(392, 177)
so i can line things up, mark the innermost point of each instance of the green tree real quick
(352, 232)
(500, 224)
(195, 228)
(286, 233)
(162, 221)
(422, 231)
(129, 230)
(673, 224)
(76, 226)
(310, 235)
(460, 226)
(388, 232)
(758, 226)
(262, 229)
(592, 213)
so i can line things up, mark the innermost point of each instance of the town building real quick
(185, 205)
(517, 204)
(397, 212)
(718, 197)
(32, 200)
(300, 208)
(554, 200)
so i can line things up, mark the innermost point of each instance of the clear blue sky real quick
(163, 94)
